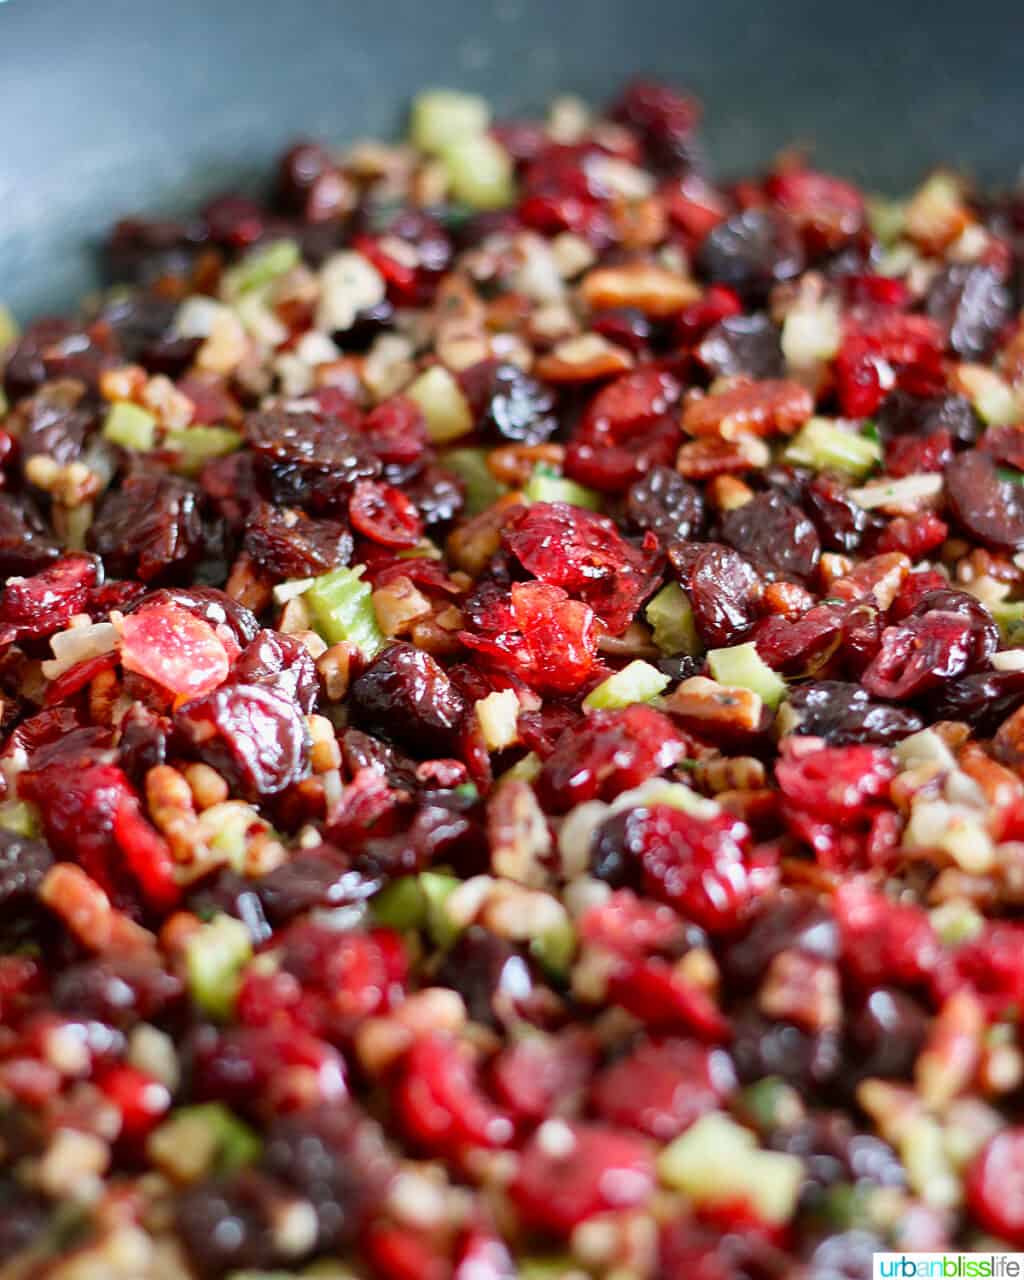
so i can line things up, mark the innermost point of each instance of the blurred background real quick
(117, 106)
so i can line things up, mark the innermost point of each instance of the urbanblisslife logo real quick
(955, 1266)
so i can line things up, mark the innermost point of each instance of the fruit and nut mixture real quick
(513, 707)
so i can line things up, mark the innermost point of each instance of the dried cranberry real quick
(26, 545)
(840, 522)
(540, 635)
(774, 534)
(828, 211)
(835, 783)
(507, 404)
(724, 590)
(405, 696)
(149, 528)
(280, 662)
(751, 252)
(599, 1170)
(233, 622)
(915, 536)
(663, 1086)
(253, 734)
(749, 346)
(902, 414)
(437, 494)
(624, 326)
(666, 504)
(46, 602)
(396, 432)
(920, 653)
(493, 978)
(995, 1186)
(664, 119)
(440, 1102)
(983, 701)
(608, 752)
(585, 555)
(533, 1075)
(884, 942)
(971, 304)
(844, 714)
(987, 507)
(288, 544)
(310, 459)
(234, 220)
(384, 514)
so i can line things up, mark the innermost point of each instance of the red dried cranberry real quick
(507, 404)
(46, 602)
(662, 999)
(915, 536)
(406, 697)
(884, 942)
(988, 508)
(696, 865)
(834, 783)
(288, 544)
(532, 1076)
(911, 455)
(384, 514)
(234, 623)
(663, 1086)
(995, 1186)
(600, 1170)
(249, 1067)
(440, 1103)
(608, 752)
(919, 654)
(664, 119)
(624, 326)
(828, 211)
(585, 555)
(396, 432)
(751, 252)
(253, 734)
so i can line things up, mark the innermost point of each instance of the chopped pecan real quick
(771, 407)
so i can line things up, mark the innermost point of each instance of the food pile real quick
(513, 722)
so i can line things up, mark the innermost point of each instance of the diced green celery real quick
(546, 485)
(479, 171)
(3, 403)
(443, 116)
(1009, 616)
(129, 425)
(548, 1268)
(197, 445)
(886, 218)
(743, 667)
(956, 922)
(215, 956)
(260, 267)
(437, 888)
(826, 446)
(482, 489)
(770, 1104)
(445, 408)
(343, 609)
(717, 1161)
(555, 948)
(18, 817)
(670, 615)
(846, 1206)
(637, 682)
(230, 1141)
(527, 769)
(467, 791)
(402, 904)
(8, 327)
